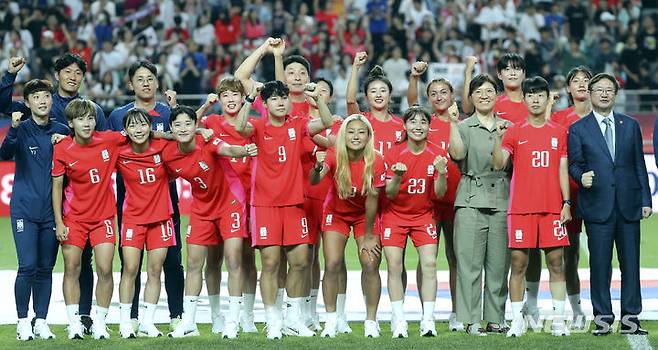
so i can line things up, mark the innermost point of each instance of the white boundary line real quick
(639, 342)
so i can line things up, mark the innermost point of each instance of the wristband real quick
(566, 201)
(250, 99)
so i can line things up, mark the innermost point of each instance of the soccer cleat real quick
(533, 314)
(427, 328)
(476, 330)
(342, 326)
(330, 327)
(247, 323)
(454, 325)
(273, 331)
(135, 324)
(298, 329)
(559, 329)
(75, 330)
(230, 330)
(578, 322)
(174, 323)
(126, 330)
(313, 323)
(42, 331)
(24, 330)
(87, 322)
(400, 329)
(184, 329)
(99, 331)
(149, 330)
(217, 324)
(517, 329)
(371, 329)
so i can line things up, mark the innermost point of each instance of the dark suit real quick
(612, 207)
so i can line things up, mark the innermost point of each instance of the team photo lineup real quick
(498, 170)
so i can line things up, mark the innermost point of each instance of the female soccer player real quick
(443, 132)
(146, 218)
(481, 217)
(417, 175)
(218, 213)
(88, 210)
(29, 143)
(359, 173)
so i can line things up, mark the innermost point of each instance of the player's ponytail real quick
(376, 73)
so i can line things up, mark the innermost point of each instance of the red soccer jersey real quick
(565, 117)
(147, 184)
(355, 205)
(88, 196)
(414, 200)
(226, 132)
(277, 177)
(320, 190)
(439, 134)
(215, 185)
(516, 112)
(300, 110)
(387, 133)
(536, 154)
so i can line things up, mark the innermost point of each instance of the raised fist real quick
(418, 68)
(399, 169)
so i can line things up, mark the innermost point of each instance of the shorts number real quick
(93, 175)
(236, 221)
(416, 186)
(540, 159)
(282, 154)
(431, 231)
(200, 182)
(304, 226)
(166, 230)
(558, 229)
(146, 175)
(109, 229)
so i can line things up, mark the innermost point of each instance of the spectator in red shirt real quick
(227, 27)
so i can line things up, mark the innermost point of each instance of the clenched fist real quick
(418, 68)
(399, 169)
(441, 164)
(587, 179)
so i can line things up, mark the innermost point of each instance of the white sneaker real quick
(126, 330)
(24, 330)
(533, 314)
(313, 323)
(371, 329)
(454, 325)
(342, 326)
(517, 329)
(247, 323)
(330, 327)
(184, 329)
(99, 330)
(273, 330)
(559, 328)
(75, 330)
(427, 328)
(135, 324)
(578, 322)
(298, 329)
(217, 324)
(41, 330)
(230, 330)
(400, 329)
(149, 330)
(173, 323)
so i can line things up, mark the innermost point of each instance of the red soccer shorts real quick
(279, 226)
(313, 210)
(156, 235)
(536, 231)
(96, 232)
(342, 224)
(215, 231)
(422, 232)
(444, 212)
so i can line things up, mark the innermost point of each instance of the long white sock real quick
(101, 313)
(532, 291)
(294, 311)
(428, 310)
(398, 309)
(249, 300)
(313, 307)
(279, 297)
(273, 316)
(215, 305)
(340, 304)
(558, 309)
(72, 312)
(517, 307)
(574, 300)
(233, 309)
(149, 313)
(124, 313)
(189, 308)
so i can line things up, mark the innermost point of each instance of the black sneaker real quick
(87, 322)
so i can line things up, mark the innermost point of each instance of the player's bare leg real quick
(196, 257)
(571, 261)
(281, 281)
(270, 258)
(334, 262)
(213, 275)
(297, 287)
(312, 304)
(233, 257)
(372, 287)
(394, 262)
(427, 259)
(554, 261)
(249, 279)
(104, 254)
(343, 326)
(131, 267)
(156, 258)
(532, 278)
(516, 288)
(71, 288)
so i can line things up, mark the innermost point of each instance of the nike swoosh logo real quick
(33, 148)
(304, 235)
(223, 135)
(434, 130)
(501, 113)
(179, 170)
(234, 230)
(522, 142)
(267, 137)
(125, 161)
(74, 163)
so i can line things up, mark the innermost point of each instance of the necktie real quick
(608, 136)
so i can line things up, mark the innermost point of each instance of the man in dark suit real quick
(606, 159)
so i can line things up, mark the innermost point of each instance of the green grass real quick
(648, 258)
(355, 340)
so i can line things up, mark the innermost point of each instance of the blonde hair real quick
(343, 176)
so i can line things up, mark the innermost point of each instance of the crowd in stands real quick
(195, 42)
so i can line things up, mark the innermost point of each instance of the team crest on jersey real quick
(554, 142)
(291, 134)
(156, 159)
(387, 233)
(106, 155)
(204, 166)
(19, 225)
(159, 127)
(398, 136)
(430, 170)
(518, 235)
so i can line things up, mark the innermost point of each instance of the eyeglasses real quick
(601, 91)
